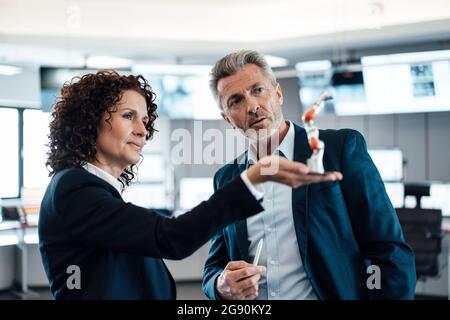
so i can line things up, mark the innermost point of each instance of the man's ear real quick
(279, 93)
(227, 120)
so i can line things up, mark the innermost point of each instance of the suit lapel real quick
(300, 195)
(241, 226)
(242, 238)
(299, 200)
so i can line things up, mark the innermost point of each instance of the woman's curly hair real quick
(77, 113)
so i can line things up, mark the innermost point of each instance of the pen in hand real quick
(258, 252)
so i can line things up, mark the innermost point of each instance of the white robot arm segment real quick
(315, 162)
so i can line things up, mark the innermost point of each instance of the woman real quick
(93, 244)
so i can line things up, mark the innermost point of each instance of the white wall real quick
(21, 90)
(7, 266)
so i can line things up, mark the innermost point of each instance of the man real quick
(319, 240)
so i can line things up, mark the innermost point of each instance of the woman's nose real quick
(140, 129)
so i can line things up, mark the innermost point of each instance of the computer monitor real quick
(395, 191)
(439, 198)
(407, 82)
(194, 190)
(146, 195)
(152, 169)
(389, 163)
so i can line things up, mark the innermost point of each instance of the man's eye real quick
(234, 102)
(259, 90)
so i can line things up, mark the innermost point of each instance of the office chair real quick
(11, 213)
(417, 190)
(422, 231)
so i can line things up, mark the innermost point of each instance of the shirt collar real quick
(102, 174)
(286, 147)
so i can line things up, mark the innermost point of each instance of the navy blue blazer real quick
(341, 227)
(118, 246)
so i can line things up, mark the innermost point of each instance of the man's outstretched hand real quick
(291, 173)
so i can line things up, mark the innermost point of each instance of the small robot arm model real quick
(315, 162)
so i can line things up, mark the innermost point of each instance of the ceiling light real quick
(171, 69)
(275, 62)
(313, 66)
(9, 70)
(108, 62)
(410, 57)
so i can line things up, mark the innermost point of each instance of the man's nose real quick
(252, 105)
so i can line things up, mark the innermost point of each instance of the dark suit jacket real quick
(118, 246)
(341, 227)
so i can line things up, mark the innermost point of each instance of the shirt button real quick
(273, 261)
(269, 229)
(272, 294)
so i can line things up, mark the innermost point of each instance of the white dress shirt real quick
(286, 277)
(102, 174)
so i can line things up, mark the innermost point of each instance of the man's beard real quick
(262, 135)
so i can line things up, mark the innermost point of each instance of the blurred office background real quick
(387, 63)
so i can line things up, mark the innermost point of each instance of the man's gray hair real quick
(232, 63)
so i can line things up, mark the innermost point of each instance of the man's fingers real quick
(249, 293)
(284, 165)
(338, 175)
(237, 277)
(296, 180)
(246, 288)
(250, 282)
(236, 265)
(293, 173)
(251, 297)
(333, 176)
(295, 167)
(240, 274)
(272, 165)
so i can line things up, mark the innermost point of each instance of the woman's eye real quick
(128, 116)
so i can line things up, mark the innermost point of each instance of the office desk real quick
(25, 292)
(11, 234)
(15, 233)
